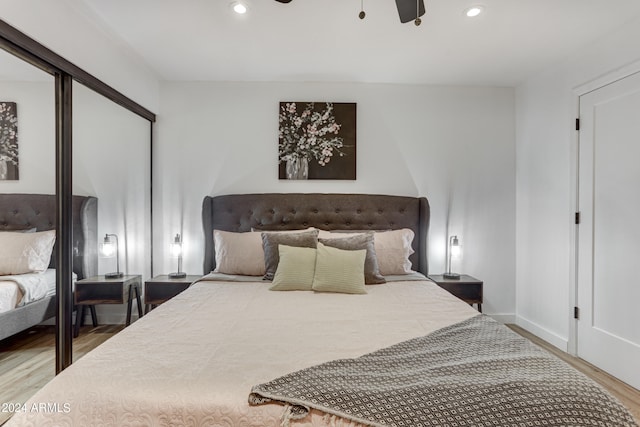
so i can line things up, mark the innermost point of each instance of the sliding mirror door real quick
(111, 161)
(111, 150)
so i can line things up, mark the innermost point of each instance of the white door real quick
(609, 232)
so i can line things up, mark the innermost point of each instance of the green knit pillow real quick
(339, 270)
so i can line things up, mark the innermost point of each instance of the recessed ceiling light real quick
(239, 8)
(473, 11)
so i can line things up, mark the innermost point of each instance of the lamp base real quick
(116, 275)
(451, 276)
(178, 275)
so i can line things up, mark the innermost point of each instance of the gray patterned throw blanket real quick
(474, 373)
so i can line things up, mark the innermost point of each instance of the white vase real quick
(297, 168)
(4, 170)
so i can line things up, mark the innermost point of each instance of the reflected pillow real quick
(270, 242)
(238, 253)
(295, 270)
(338, 270)
(22, 253)
(355, 242)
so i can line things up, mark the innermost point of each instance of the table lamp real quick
(176, 251)
(109, 248)
(454, 251)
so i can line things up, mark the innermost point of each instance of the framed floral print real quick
(8, 141)
(317, 140)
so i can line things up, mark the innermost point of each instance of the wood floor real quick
(629, 396)
(27, 362)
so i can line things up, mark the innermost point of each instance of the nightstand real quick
(163, 288)
(467, 288)
(101, 290)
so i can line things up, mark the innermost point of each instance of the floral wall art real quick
(317, 140)
(8, 141)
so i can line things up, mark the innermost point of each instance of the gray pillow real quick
(270, 242)
(20, 230)
(363, 241)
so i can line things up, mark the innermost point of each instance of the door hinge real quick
(577, 218)
(577, 124)
(576, 313)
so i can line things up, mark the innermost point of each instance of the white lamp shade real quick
(108, 248)
(456, 251)
(175, 248)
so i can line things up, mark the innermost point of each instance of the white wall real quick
(111, 154)
(454, 145)
(36, 136)
(545, 179)
(69, 29)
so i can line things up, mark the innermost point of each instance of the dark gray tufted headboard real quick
(282, 211)
(20, 211)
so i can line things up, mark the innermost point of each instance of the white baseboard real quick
(503, 318)
(543, 333)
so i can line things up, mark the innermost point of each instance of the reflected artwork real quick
(8, 141)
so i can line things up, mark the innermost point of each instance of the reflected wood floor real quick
(27, 363)
(27, 359)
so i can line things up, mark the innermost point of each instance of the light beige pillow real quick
(238, 253)
(22, 253)
(295, 270)
(393, 249)
(339, 270)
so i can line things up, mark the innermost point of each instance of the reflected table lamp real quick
(109, 248)
(454, 251)
(176, 252)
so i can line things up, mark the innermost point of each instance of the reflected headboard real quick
(23, 211)
(288, 211)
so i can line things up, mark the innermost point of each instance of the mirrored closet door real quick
(111, 161)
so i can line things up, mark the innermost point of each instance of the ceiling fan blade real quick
(407, 9)
(284, 1)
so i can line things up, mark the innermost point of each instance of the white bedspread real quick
(21, 289)
(194, 359)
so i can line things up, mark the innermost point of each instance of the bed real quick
(37, 212)
(228, 350)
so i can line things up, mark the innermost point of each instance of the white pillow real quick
(22, 253)
(393, 249)
(239, 253)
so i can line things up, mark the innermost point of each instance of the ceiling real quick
(324, 40)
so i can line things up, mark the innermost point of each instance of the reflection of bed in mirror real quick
(25, 212)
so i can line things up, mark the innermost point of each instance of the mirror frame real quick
(19, 44)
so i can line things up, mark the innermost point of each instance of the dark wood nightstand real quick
(100, 290)
(467, 288)
(163, 288)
